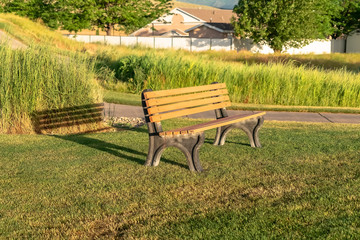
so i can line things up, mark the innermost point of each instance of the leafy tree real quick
(71, 15)
(127, 15)
(75, 15)
(348, 18)
(18, 6)
(284, 23)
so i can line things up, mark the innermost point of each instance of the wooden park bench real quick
(167, 104)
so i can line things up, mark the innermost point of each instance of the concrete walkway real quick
(118, 110)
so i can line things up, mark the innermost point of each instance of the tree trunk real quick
(276, 47)
(109, 29)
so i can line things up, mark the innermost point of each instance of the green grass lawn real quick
(304, 183)
(122, 98)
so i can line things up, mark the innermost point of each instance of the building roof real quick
(211, 16)
(217, 19)
(162, 30)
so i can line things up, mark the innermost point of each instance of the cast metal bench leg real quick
(221, 133)
(156, 143)
(250, 127)
(189, 145)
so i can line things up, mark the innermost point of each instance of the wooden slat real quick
(182, 105)
(194, 96)
(178, 91)
(180, 113)
(212, 124)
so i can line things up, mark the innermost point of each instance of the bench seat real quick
(210, 125)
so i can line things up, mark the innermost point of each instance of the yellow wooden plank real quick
(177, 91)
(213, 124)
(182, 105)
(226, 123)
(180, 113)
(175, 99)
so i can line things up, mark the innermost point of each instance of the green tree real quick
(348, 18)
(71, 15)
(75, 15)
(18, 6)
(127, 15)
(284, 23)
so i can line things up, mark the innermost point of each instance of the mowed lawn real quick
(304, 183)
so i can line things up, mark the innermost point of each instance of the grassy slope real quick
(303, 183)
(29, 33)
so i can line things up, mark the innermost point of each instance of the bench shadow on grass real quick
(52, 120)
(113, 148)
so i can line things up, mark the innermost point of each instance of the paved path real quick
(118, 110)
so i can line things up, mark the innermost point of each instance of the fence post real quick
(172, 42)
(120, 40)
(210, 43)
(231, 43)
(154, 43)
(137, 41)
(190, 44)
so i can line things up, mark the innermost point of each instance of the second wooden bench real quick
(167, 104)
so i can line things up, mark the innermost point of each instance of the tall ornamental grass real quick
(350, 61)
(272, 83)
(36, 79)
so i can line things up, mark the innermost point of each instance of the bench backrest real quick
(167, 104)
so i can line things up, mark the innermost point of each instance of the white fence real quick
(353, 43)
(203, 44)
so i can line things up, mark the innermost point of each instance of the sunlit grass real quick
(350, 61)
(303, 183)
